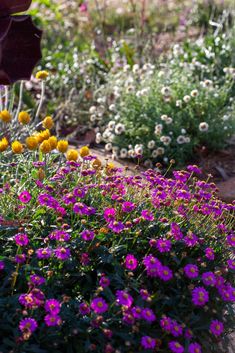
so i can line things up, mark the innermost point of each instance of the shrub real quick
(95, 260)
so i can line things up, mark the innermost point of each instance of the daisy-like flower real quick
(116, 226)
(44, 253)
(147, 215)
(131, 262)
(52, 306)
(208, 279)
(148, 342)
(87, 235)
(99, 305)
(37, 280)
(62, 253)
(109, 214)
(25, 196)
(210, 255)
(124, 298)
(176, 347)
(104, 282)
(148, 315)
(216, 327)
(128, 206)
(163, 245)
(52, 320)
(200, 296)
(165, 273)
(176, 329)
(195, 348)
(203, 127)
(191, 271)
(165, 323)
(28, 325)
(84, 309)
(21, 239)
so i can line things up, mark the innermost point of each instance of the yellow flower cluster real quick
(24, 118)
(42, 75)
(5, 116)
(17, 147)
(3, 144)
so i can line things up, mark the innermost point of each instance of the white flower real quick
(186, 99)
(123, 153)
(164, 117)
(135, 68)
(98, 137)
(119, 129)
(187, 139)
(158, 129)
(108, 146)
(155, 154)
(139, 149)
(183, 131)
(203, 126)
(194, 93)
(178, 103)
(151, 144)
(166, 140)
(131, 153)
(180, 139)
(111, 125)
(225, 117)
(165, 91)
(169, 120)
(112, 107)
(92, 117)
(92, 109)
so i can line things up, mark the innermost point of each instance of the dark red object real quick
(19, 42)
(8, 7)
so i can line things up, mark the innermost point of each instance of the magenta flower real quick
(176, 347)
(216, 327)
(210, 255)
(231, 240)
(200, 296)
(25, 196)
(131, 262)
(165, 273)
(21, 239)
(62, 253)
(104, 282)
(194, 169)
(191, 239)
(109, 214)
(83, 7)
(2, 265)
(52, 306)
(148, 315)
(231, 264)
(116, 227)
(208, 279)
(165, 323)
(87, 235)
(176, 231)
(99, 305)
(137, 312)
(28, 325)
(37, 280)
(20, 258)
(147, 215)
(84, 309)
(59, 235)
(52, 320)
(191, 271)
(148, 342)
(145, 294)
(128, 206)
(195, 348)
(124, 298)
(176, 329)
(85, 259)
(44, 253)
(163, 245)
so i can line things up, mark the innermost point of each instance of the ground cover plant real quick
(94, 260)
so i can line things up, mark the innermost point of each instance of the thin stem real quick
(41, 101)
(20, 99)
(6, 97)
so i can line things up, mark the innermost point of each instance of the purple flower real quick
(28, 325)
(128, 206)
(209, 252)
(163, 245)
(123, 298)
(137, 312)
(25, 196)
(62, 253)
(200, 296)
(208, 279)
(2, 265)
(37, 280)
(176, 347)
(231, 240)
(176, 329)
(216, 327)
(147, 215)
(78, 192)
(191, 271)
(52, 320)
(21, 239)
(148, 342)
(191, 239)
(176, 231)
(99, 305)
(165, 273)
(145, 294)
(84, 309)
(194, 169)
(87, 235)
(20, 258)
(116, 227)
(165, 323)
(131, 262)
(109, 214)
(44, 253)
(104, 282)
(194, 348)
(148, 315)
(231, 264)
(59, 235)
(52, 306)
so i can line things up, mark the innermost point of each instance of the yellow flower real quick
(43, 135)
(48, 122)
(72, 155)
(53, 142)
(62, 146)
(96, 164)
(42, 75)
(5, 116)
(45, 147)
(3, 144)
(84, 151)
(31, 143)
(24, 118)
(17, 147)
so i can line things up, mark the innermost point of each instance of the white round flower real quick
(164, 117)
(203, 126)
(194, 93)
(98, 138)
(123, 153)
(166, 140)
(119, 129)
(180, 139)
(169, 120)
(108, 147)
(158, 129)
(135, 68)
(187, 139)
(92, 118)
(183, 131)
(112, 107)
(139, 150)
(178, 103)
(92, 109)
(186, 99)
(160, 151)
(111, 125)
(151, 144)
(165, 91)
